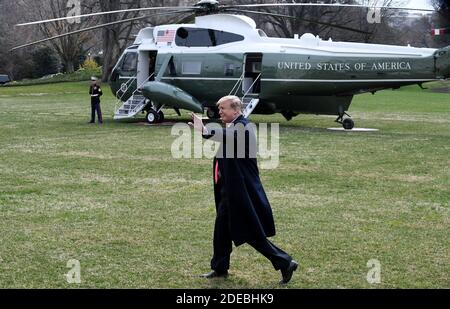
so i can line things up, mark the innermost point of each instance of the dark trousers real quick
(223, 243)
(95, 107)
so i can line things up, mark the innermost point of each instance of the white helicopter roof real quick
(245, 26)
(233, 23)
(238, 24)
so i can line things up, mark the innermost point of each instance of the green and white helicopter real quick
(190, 65)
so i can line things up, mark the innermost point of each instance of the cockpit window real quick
(197, 37)
(130, 62)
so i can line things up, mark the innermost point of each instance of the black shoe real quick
(287, 273)
(215, 274)
(91, 122)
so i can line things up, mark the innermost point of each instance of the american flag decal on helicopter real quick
(165, 36)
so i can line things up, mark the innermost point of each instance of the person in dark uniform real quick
(243, 212)
(96, 92)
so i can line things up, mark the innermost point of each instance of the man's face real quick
(226, 112)
(94, 83)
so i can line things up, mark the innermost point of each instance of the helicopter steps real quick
(249, 105)
(131, 108)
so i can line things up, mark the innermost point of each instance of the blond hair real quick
(235, 102)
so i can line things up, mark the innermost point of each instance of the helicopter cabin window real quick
(229, 69)
(191, 67)
(223, 37)
(130, 62)
(197, 37)
(262, 33)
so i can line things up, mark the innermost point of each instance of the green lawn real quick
(113, 197)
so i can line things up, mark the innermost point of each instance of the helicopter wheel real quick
(152, 117)
(160, 116)
(212, 113)
(348, 124)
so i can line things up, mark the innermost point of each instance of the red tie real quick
(216, 173)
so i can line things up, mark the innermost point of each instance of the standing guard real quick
(96, 92)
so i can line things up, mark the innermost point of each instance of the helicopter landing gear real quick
(152, 117)
(288, 115)
(347, 123)
(212, 113)
(161, 116)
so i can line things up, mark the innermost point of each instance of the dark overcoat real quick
(249, 212)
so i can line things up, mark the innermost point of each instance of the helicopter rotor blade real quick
(323, 5)
(186, 20)
(303, 19)
(106, 13)
(96, 27)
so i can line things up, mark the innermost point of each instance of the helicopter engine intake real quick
(442, 57)
(170, 96)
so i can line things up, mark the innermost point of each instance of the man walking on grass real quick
(243, 211)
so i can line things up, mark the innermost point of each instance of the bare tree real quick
(319, 20)
(418, 33)
(68, 48)
(377, 22)
(117, 37)
(16, 65)
(443, 7)
(113, 39)
(309, 19)
(442, 20)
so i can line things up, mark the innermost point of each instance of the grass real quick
(113, 197)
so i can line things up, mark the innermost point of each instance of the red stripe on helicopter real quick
(165, 36)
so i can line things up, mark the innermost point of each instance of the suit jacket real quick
(249, 212)
(96, 93)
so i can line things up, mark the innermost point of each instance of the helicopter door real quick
(146, 66)
(252, 74)
(152, 64)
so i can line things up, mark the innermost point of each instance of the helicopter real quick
(190, 65)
